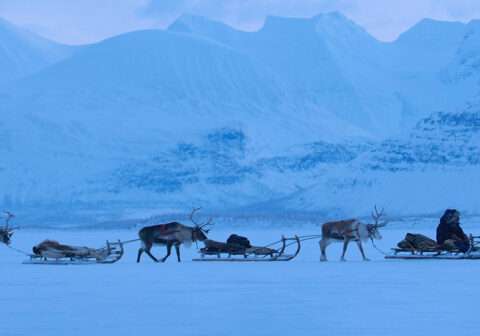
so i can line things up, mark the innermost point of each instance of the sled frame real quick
(114, 252)
(253, 255)
(436, 254)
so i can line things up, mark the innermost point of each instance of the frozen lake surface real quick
(301, 297)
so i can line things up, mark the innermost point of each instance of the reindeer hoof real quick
(343, 259)
(366, 259)
(323, 259)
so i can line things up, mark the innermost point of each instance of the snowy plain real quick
(300, 297)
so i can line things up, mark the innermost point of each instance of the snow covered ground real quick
(301, 297)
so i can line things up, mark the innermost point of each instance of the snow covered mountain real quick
(331, 62)
(304, 115)
(312, 58)
(434, 167)
(23, 53)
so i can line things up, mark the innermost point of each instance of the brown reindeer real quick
(348, 230)
(171, 234)
(6, 232)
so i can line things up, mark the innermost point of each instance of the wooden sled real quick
(433, 254)
(111, 253)
(222, 252)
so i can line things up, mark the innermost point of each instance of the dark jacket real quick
(449, 228)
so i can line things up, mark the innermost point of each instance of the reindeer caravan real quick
(452, 243)
(171, 235)
(236, 248)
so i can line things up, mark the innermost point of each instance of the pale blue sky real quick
(83, 21)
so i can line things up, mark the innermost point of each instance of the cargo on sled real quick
(51, 252)
(239, 249)
(416, 246)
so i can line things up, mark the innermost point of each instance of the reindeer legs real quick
(360, 247)
(169, 251)
(177, 249)
(345, 246)
(323, 246)
(147, 251)
(151, 255)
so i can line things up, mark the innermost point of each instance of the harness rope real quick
(377, 248)
(18, 250)
(129, 241)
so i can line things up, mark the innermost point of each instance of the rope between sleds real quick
(18, 250)
(377, 248)
(129, 241)
(304, 238)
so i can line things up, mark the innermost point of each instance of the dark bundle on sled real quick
(235, 245)
(240, 242)
(240, 246)
(416, 241)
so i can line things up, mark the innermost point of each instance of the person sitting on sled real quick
(450, 235)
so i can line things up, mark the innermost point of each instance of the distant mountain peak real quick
(428, 30)
(4, 22)
(280, 24)
(22, 53)
(334, 15)
(188, 23)
(338, 27)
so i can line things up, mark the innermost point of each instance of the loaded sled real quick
(431, 251)
(239, 249)
(53, 253)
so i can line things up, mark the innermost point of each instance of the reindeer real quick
(6, 232)
(348, 230)
(171, 234)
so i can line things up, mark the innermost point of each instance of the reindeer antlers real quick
(376, 215)
(193, 213)
(8, 217)
(201, 226)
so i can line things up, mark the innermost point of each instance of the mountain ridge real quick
(301, 115)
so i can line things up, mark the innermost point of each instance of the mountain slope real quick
(309, 115)
(148, 81)
(333, 63)
(135, 95)
(23, 53)
(433, 168)
(293, 49)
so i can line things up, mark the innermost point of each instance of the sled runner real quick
(235, 252)
(413, 253)
(53, 253)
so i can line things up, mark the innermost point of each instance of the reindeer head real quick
(6, 232)
(373, 232)
(5, 236)
(200, 230)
